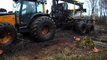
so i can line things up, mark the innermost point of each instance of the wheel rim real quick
(45, 30)
(5, 37)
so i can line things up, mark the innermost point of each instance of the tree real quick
(92, 6)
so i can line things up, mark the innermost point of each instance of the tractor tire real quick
(80, 28)
(85, 28)
(42, 29)
(90, 29)
(7, 35)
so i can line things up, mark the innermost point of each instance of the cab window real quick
(39, 8)
(28, 7)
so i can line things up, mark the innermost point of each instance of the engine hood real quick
(5, 13)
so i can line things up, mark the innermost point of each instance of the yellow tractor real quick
(28, 17)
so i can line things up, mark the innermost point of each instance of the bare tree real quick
(92, 4)
(103, 11)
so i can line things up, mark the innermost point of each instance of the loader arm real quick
(80, 4)
(74, 2)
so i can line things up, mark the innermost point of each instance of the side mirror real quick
(47, 11)
(14, 4)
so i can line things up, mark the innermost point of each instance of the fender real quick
(8, 17)
(36, 15)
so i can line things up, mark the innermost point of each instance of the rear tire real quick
(80, 27)
(42, 29)
(90, 29)
(7, 36)
(84, 28)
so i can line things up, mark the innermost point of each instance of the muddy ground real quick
(62, 47)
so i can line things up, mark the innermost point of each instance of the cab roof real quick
(32, 0)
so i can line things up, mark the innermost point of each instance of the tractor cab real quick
(26, 9)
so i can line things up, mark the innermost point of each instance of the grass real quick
(63, 51)
(68, 53)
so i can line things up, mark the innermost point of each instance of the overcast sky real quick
(8, 4)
